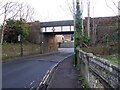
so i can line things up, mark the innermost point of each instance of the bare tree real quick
(26, 12)
(94, 25)
(115, 5)
(110, 7)
(70, 7)
(15, 10)
(6, 10)
(30, 13)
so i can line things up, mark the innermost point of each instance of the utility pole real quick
(119, 29)
(77, 29)
(82, 16)
(88, 22)
(74, 32)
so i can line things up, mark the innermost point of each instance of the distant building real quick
(61, 38)
(67, 37)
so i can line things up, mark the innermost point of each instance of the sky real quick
(57, 10)
(52, 10)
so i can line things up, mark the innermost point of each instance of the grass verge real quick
(84, 84)
(8, 57)
(112, 58)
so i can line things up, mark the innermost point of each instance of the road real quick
(29, 73)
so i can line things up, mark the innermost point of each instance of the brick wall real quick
(34, 32)
(48, 43)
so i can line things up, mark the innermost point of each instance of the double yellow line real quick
(46, 76)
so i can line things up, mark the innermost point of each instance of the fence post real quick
(21, 47)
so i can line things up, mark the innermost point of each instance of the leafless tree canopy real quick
(14, 10)
(26, 12)
(115, 4)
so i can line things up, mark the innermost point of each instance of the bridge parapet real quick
(57, 23)
(98, 72)
(57, 27)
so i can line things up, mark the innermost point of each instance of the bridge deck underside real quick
(59, 33)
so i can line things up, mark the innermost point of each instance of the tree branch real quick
(109, 7)
(115, 5)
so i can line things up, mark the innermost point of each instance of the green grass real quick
(83, 82)
(81, 79)
(112, 58)
(8, 57)
(104, 52)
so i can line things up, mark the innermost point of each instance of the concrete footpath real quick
(65, 75)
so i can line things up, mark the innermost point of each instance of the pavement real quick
(65, 75)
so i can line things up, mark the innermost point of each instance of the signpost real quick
(19, 39)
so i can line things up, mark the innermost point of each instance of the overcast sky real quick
(54, 10)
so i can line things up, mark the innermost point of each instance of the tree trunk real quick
(2, 34)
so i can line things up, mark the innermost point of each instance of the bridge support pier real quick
(49, 43)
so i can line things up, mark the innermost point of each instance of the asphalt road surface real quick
(28, 73)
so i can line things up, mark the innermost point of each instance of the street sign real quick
(53, 29)
(19, 37)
